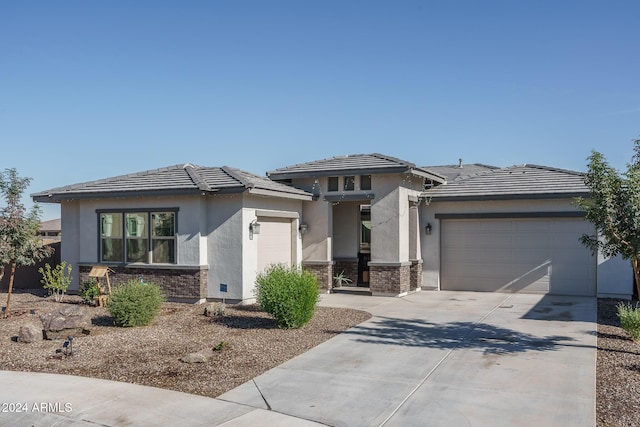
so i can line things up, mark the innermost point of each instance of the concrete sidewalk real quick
(428, 359)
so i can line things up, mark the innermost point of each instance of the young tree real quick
(614, 209)
(19, 242)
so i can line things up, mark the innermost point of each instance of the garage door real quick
(274, 242)
(517, 255)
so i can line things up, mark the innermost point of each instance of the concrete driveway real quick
(443, 359)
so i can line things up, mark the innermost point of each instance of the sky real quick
(91, 90)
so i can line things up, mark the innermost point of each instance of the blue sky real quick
(94, 89)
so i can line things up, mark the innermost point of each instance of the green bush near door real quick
(288, 294)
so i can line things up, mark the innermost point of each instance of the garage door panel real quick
(520, 255)
(274, 242)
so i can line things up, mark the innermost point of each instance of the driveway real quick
(443, 359)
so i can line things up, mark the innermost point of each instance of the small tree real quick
(19, 242)
(56, 280)
(614, 209)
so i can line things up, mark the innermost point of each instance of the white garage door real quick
(274, 242)
(517, 255)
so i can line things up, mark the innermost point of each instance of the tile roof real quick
(351, 164)
(172, 180)
(458, 172)
(515, 182)
(51, 225)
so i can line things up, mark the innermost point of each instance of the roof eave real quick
(492, 197)
(60, 197)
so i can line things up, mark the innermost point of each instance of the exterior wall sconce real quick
(427, 228)
(303, 229)
(254, 227)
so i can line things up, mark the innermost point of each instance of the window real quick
(365, 227)
(333, 183)
(349, 183)
(136, 227)
(365, 182)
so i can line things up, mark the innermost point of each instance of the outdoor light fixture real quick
(427, 228)
(254, 227)
(303, 228)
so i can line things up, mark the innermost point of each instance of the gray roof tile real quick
(350, 164)
(177, 179)
(458, 172)
(525, 181)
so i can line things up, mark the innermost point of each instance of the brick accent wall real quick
(324, 273)
(390, 280)
(415, 281)
(349, 267)
(177, 283)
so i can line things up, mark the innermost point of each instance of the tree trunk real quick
(12, 274)
(636, 274)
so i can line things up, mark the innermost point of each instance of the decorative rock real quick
(59, 324)
(201, 356)
(214, 310)
(29, 334)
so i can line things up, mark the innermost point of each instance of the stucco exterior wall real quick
(345, 229)
(70, 245)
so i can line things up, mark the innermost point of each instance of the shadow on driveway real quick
(466, 335)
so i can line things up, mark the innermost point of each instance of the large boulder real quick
(61, 323)
(29, 334)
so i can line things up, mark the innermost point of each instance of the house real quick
(199, 232)
(50, 231)
(384, 223)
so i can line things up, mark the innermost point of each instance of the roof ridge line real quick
(195, 177)
(395, 159)
(553, 169)
(233, 173)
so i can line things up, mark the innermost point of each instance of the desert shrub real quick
(56, 280)
(135, 303)
(630, 319)
(288, 294)
(89, 291)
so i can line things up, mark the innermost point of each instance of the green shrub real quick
(134, 303)
(630, 319)
(89, 291)
(56, 280)
(288, 294)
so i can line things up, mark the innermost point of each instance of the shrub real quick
(89, 291)
(134, 303)
(630, 319)
(288, 294)
(56, 280)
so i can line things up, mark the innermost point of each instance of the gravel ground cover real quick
(151, 355)
(617, 371)
(252, 345)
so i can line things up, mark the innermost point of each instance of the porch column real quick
(390, 268)
(415, 254)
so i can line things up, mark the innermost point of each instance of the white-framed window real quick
(140, 236)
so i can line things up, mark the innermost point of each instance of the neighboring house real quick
(384, 223)
(50, 231)
(191, 229)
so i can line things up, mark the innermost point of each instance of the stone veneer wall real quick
(350, 268)
(177, 283)
(389, 279)
(416, 275)
(324, 273)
